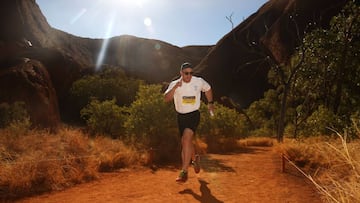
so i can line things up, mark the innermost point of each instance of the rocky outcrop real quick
(26, 33)
(151, 60)
(28, 81)
(238, 65)
(23, 20)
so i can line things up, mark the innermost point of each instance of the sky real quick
(178, 22)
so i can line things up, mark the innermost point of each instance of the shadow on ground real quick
(205, 196)
(210, 164)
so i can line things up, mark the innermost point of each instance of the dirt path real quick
(250, 176)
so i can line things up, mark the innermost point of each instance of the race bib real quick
(188, 99)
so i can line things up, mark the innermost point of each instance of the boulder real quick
(26, 80)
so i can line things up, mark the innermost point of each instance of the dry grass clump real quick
(113, 154)
(341, 181)
(257, 141)
(40, 162)
(305, 153)
(333, 165)
(224, 145)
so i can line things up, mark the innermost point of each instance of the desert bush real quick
(10, 113)
(149, 116)
(15, 118)
(109, 83)
(105, 117)
(353, 131)
(320, 122)
(151, 123)
(148, 123)
(5, 114)
(264, 114)
(225, 123)
(222, 130)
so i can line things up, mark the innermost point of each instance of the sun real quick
(147, 22)
(126, 3)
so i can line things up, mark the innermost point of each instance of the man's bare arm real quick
(170, 95)
(209, 95)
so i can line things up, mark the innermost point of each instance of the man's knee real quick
(187, 135)
(188, 132)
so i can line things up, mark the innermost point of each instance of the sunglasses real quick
(188, 73)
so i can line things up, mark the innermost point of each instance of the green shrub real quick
(222, 130)
(264, 114)
(224, 124)
(353, 130)
(320, 122)
(4, 114)
(104, 117)
(149, 116)
(148, 123)
(151, 124)
(14, 117)
(19, 127)
(108, 84)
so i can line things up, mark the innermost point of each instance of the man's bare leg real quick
(187, 148)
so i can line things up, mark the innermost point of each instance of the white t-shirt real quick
(187, 97)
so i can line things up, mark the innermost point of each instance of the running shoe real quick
(183, 176)
(196, 163)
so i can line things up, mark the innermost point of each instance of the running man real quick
(186, 93)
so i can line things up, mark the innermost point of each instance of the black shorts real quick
(188, 120)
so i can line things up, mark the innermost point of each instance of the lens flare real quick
(105, 43)
(78, 16)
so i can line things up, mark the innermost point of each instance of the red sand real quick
(253, 175)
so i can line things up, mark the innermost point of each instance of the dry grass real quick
(257, 141)
(40, 162)
(333, 165)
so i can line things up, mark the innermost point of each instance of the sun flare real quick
(126, 3)
(147, 22)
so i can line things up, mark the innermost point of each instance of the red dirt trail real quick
(253, 175)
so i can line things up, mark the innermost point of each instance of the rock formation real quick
(236, 66)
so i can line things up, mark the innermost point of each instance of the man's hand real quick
(178, 84)
(211, 109)
(170, 95)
